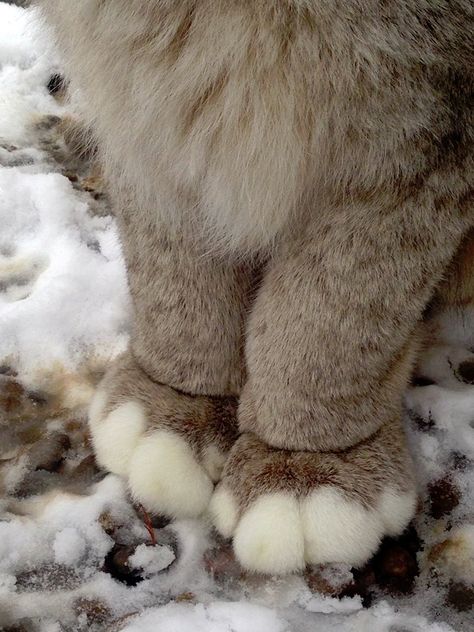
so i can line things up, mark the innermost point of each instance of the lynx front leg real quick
(164, 417)
(322, 472)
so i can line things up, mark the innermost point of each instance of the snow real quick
(63, 294)
(452, 410)
(215, 617)
(26, 62)
(152, 559)
(69, 546)
(73, 296)
(64, 314)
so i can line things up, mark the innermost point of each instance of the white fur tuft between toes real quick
(115, 437)
(339, 530)
(269, 536)
(165, 476)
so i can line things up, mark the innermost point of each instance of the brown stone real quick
(107, 523)
(121, 622)
(444, 496)
(460, 596)
(49, 453)
(318, 583)
(186, 597)
(395, 565)
(466, 371)
(94, 610)
(86, 469)
(11, 395)
(117, 565)
(220, 562)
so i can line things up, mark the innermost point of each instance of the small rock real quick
(395, 565)
(31, 434)
(186, 597)
(48, 454)
(48, 577)
(87, 468)
(11, 395)
(94, 610)
(466, 371)
(397, 562)
(117, 565)
(119, 624)
(460, 596)
(74, 425)
(107, 523)
(319, 584)
(220, 562)
(38, 482)
(444, 496)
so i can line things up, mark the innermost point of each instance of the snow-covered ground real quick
(75, 554)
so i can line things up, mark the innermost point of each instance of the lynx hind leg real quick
(170, 447)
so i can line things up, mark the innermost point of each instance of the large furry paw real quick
(285, 509)
(171, 447)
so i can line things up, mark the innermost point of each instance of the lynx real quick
(291, 179)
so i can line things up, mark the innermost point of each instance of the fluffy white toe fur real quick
(338, 530)
(165, 476)
(115, 437)
(269, 537)
(223, 511)
(396, 510)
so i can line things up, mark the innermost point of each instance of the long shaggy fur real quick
(242, 115)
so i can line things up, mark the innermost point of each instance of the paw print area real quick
(170, 447)
(18, 275)
(286, 509)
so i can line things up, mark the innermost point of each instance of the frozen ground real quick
(75, 554)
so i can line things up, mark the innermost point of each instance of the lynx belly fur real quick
(292, 179)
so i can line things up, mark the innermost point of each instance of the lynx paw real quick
(170, 447)
(286, 509)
